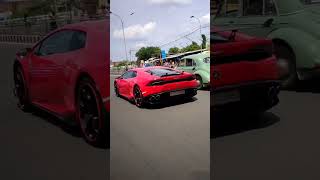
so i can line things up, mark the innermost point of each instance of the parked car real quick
(199, 65)
(244, 73)
(152, 85)
(293, 26)
(67, 74)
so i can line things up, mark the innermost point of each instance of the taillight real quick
(155, 83)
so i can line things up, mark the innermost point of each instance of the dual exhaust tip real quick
(274, 91)
(154, 98)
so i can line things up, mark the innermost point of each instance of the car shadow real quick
(225, 124)
(312, 86)
(173, 102)
(69, 128)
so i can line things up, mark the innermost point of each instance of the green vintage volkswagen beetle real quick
(293, 25)
(199, 65)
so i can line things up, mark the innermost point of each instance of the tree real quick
(192, 47)
(204, 41)
(174, 50)
(146, 53)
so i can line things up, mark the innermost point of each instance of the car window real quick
(189, 62)
(228, 8)
(133, 74)
(194, 63)
(163, 72)
(78, 40)
(129, 74)
(36, 49)
(56, 43)
(126, 75)
(182, 63)
(270, 8)
(252, 7)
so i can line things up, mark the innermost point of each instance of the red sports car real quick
(67, 74)
(244, 72)
(152, 85)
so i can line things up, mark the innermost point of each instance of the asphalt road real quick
(168, 142)
(37, 145)
(281, 144)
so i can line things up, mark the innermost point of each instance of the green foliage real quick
(192, 47)
(174, 50)
(145, 53)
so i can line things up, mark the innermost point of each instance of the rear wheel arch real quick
(81, 77)
(282, 42)
(285, 50)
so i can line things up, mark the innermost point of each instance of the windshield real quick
(163, 72)
(310, 1)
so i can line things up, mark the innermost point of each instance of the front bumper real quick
(260, 95)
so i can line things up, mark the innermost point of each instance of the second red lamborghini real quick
(154, 84)
(66, 74)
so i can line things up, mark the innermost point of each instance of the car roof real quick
(148, 68)
(198, 56)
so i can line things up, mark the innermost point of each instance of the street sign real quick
(163, 54)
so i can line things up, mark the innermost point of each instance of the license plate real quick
(226, 97)
(176, 93)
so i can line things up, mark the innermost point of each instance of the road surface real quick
(282, 144)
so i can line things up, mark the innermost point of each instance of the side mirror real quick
(24, 52)
(268, 22)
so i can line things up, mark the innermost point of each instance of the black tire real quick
(90, 114)
(286, 56)
(198, 77)
(116, 90)
(21, 90)
(138, 98)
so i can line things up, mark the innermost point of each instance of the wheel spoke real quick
(89, 113)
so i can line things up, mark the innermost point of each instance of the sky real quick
(155, 23)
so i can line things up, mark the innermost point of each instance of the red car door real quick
(47, 69)
(125, 83)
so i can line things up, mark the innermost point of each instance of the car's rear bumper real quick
(256, 95)
(165, 96)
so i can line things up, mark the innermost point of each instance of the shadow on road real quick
(312, 86)
(224, 124)
(172, 102)
(69, 128)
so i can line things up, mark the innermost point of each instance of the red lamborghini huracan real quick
(67, 74)
(244, 72)
(152, 85)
